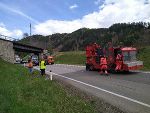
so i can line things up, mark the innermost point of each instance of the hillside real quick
(137, 34)
(71, 57)
(144, 55)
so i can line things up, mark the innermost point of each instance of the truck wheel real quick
(87, 67)
(112, 71)
(112, 68)
(126, 72)
(91, 68)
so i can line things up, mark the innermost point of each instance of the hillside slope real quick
(144, 55)
(137, 34)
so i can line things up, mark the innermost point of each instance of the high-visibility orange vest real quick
(119, 57)
(30, 64)
(103, 61)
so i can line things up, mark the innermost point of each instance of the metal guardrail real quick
(8, 38)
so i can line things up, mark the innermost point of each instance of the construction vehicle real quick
(50, 60)
(128, 60)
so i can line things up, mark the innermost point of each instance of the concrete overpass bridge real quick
(9, 45)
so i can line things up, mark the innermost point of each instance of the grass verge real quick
(144, 55)
(73, 57)
(23, 93)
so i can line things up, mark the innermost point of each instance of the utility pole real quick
(30, 35)
(30, 29)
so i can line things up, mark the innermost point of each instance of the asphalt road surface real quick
(129, 92)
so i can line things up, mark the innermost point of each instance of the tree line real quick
(129, 34)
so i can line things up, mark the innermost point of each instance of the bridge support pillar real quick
(6, 51)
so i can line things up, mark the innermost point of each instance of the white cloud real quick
(14, 33)
(17, 12)
(73, 6)
(17, 33)
(110, 12)
(55, 26)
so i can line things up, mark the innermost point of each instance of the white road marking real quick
(147, 72)
(104, 90)
(70, 65)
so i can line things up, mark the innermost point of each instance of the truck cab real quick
(129, 59)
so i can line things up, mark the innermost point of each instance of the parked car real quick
(17, 59)
(23, 61)
(35, 60)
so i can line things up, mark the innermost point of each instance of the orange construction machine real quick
(117, 58)
(49, 59)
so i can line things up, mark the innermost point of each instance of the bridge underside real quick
(8, 48)
(26, 48)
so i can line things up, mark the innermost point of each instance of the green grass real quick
(144, 55)
(22, 93)
(71, 58)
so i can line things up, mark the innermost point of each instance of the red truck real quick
(127, 62)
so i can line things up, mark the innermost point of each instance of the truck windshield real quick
(129, 55)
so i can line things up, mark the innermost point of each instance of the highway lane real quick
(130, 92)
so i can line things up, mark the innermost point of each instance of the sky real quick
(65, 16)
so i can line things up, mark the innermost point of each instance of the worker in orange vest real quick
(118, 62)
(103, 64)
(30, 65)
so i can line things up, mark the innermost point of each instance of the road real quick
(129, 92)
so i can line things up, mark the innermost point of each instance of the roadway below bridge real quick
(129, 92)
